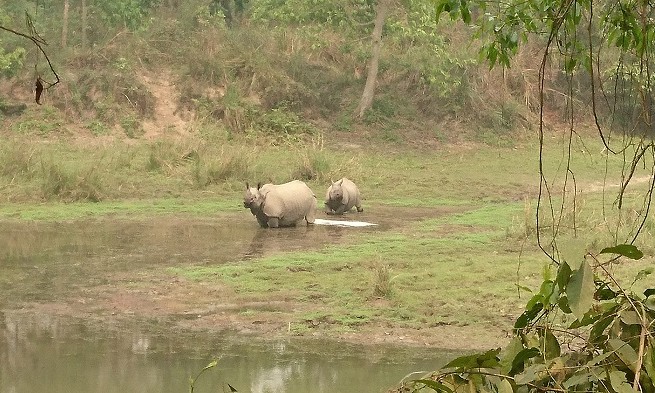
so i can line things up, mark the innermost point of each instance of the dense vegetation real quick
(584, 330)
(283, 69)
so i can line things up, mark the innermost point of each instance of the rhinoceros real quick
(281, 205)
(342, 196)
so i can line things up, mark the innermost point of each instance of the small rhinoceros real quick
(341, 196)
(281, 205)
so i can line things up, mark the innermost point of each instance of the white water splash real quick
(343, 223)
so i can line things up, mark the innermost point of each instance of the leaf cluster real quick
(609, 345)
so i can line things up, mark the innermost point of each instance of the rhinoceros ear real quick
(340, 181)
(259, 185)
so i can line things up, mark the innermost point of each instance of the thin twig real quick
(37, 42)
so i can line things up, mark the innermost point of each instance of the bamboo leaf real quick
(531, 374)
(626, 250)
(504, 386)
(551, 345)
(580, 290)
(509, 354)
(619, 382)
(487, 359)
(519, 361)
(624, 351)
(527, 316)
(434, 385)
(579, 379)
(563, 275)
(649, 362)
(630, 317)
(598, 330)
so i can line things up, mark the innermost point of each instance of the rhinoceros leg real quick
(359, 208)
(263, 222)
(273, 222)
(310, 217)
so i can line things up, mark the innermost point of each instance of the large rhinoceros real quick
(281, 205)
(342, 196)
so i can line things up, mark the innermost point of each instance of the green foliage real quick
(283, 124)
(330, 12)
(130, 14)
(43, 123)
(12, 56)
(11, 62)
(132, 126)
(98, 128)
(503, 30)
(608, 345)
(439, 68)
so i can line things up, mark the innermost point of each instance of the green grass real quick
(461, 267)
(459, 279)
(56, 211)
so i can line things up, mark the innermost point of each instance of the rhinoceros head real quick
(252, 198)
(336, 191)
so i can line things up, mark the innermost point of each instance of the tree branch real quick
(38, 41)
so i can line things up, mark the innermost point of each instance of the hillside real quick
(181, 70)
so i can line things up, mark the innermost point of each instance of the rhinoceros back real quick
(289, 202)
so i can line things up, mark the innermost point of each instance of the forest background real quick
(182, 102)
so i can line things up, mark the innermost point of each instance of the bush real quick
(71, 184)
(607, 345)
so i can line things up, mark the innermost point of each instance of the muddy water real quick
(47, 354)
(51, 263)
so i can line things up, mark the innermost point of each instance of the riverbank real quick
(449, 266)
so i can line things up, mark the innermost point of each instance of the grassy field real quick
(467, 264)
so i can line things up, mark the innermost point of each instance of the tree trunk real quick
(371, 79)
(64, 24)
(84, 23)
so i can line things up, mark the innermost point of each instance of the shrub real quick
(72, 184)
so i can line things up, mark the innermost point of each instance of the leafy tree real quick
(12, 60)
(608, 341)
(131, 14)
(369, 25)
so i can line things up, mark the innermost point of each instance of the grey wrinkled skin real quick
(252, 200)
(281, 205)
(342, 196)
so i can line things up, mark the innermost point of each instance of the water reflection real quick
(45, 353)
(55, 263)
(269, 241)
